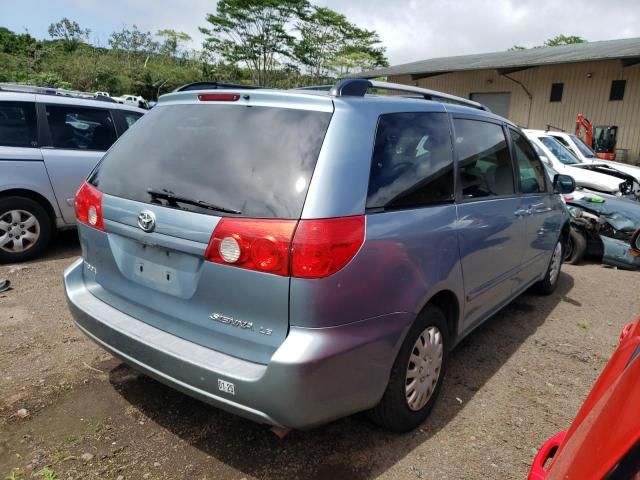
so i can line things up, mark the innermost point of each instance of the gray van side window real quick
(484, 162)
(412, 161)
(529, 165)
(80, 128)
(18, 124)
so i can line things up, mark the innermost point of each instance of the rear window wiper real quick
(172, 197)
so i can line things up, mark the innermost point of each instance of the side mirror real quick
(635, 244)
(563, 184)
(545, 160)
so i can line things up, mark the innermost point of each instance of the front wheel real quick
(416, 375)
(550, 281)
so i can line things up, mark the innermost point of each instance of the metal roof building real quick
(543, 86)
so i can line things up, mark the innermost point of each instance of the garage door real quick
(498, 103)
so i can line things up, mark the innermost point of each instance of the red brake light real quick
(254, 244)
(322, 247)
(89, 206)
(218, 97)
(318, 248)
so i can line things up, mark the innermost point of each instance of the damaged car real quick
(603, 227)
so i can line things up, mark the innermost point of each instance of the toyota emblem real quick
(147, 221)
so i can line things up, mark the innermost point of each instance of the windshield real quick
(217, 159)
(583, 147)
(562, 153)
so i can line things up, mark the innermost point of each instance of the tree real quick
(556, 41)
(69, 32)
(134, 44)
(254, 33)
(563, 40)
(173, 39)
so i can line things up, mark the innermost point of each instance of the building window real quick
(556, 92)
(617, 90)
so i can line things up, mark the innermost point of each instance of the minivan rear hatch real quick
(167, 184)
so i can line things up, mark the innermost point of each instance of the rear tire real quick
(428, 344)
(576, 247)
(550, 281)
(25, 229)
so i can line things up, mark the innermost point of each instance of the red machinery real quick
(601, 138)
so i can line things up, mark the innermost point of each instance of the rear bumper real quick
(315, 376)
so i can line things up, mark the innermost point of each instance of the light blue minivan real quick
(298, 256)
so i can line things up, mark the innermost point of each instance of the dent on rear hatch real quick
(171, 272)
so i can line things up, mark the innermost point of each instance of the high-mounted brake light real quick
(218, 97)
(317, 249)
(89, 206)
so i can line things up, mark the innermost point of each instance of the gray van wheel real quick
(548, 284)
(25, 229)
(416, 375)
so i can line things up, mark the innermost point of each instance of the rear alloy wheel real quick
(548, 284)
(25, 229)
(416, 375)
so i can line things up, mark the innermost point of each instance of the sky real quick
(411, 30)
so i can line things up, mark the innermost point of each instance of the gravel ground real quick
(68, 406)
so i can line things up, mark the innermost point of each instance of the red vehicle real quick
(603, 441)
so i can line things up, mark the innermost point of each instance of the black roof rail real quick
(322, 88)
(358, 87)
(61, 92)
(214, 86)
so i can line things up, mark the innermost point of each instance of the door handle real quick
(539, 208)
(521, 212)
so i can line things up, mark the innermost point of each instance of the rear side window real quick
(130, 117)
(254, 160)
(483, 159)
(78, 128)
(412, 161)
(529, 165)
(18, 124)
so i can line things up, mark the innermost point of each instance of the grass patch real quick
(582, 325)
(48, 474)
(15, 474)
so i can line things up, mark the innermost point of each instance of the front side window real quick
(18, 124)
(529, 165)
(583, 147)
(561, 152)
(412, 161)
(131, 117)
(483, 159)
(79, 128)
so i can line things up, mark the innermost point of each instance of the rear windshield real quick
(246, 160)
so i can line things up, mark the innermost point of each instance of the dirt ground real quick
(511, 384)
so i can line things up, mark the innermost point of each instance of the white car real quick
(556, 155)
(585, 153)
(103, 94)
(134, 100)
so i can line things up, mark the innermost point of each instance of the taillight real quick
(89, 206)
(254, 244)
(322, 247)
(318, 248)
(218, 97)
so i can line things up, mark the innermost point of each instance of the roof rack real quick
(214, 86)
(38, 90)
(357, 87)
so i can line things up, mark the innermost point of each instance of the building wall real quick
(589, 96)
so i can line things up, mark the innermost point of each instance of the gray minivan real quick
(298, 256)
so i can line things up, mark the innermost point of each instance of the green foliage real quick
(47, 474)
(253, 33)
(556, 41)
(280, 43)
(563, 40)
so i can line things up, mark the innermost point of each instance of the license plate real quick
(226, 387)
(156, 273)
